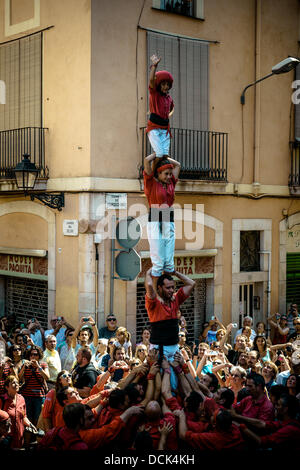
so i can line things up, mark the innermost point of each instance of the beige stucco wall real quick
(224, 209)
(66, 80)
(23, 231)
(67, 263)
(119, 89)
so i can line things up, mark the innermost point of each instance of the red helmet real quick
(163, 75)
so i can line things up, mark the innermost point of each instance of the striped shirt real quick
(34, 385)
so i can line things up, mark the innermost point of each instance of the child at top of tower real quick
(161, 108)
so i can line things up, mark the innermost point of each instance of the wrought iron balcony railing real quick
(203, 154)
(14, 143)
(294, 177)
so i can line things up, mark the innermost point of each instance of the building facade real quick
(74, 96)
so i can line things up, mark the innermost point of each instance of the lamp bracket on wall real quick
(55, 201)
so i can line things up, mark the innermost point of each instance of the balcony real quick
(294, 177)
(202, 154)
(15, 143)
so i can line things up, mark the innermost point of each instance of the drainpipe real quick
(97, 240)
(112, 264)
(266, 252)
(257, 114)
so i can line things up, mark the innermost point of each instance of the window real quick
(193, 8)
(246, 299)
(249, 250)
(187, 61)
(21, 71)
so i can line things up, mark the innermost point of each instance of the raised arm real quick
(95, 331)
(189, 284)
(149, 285)
(147, 163)
(182, 423)
(177, 166)
(76, 332)
(224, 340)
(150, 387)
(155, 61)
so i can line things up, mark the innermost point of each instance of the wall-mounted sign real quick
(70, 228)
(293, 240)
(24, 266)
(185, 264)
(196, 267)
(116, 201)
(20, 264)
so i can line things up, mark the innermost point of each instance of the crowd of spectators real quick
(81, 389)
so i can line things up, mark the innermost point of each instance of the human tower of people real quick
(77, 388)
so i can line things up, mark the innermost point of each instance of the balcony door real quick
(187, 61)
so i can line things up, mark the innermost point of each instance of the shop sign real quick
(293, 241)
(185, 265)
(20, 264)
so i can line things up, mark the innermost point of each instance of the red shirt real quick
(95, 438)
(17, 413)
(171, 443)
(158, 311)
(34, 382)
(263, 409)
(284, 434)
(53, 410)
(7, 370)
(216, 440)
(160, 104)
(71, 440)
(192, 420)
(157, 195)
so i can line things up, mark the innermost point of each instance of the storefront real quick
(24, 286)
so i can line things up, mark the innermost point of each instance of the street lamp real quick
(26, 174)
(284, 66)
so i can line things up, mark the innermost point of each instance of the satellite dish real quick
(128, 232)
(128, 265)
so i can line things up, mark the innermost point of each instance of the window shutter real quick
(187, 61)
(20, 69)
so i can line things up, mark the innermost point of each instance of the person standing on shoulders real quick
(163, 312)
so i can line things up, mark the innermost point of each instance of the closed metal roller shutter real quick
(193, 309)
(27, 298)
(293, 278)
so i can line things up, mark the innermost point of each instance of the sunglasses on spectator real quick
(111, 319)
(66, 376)
(17, 349)
(34, 354)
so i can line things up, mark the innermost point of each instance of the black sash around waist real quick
(164, 332)
(161, 215)
(156, 119)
